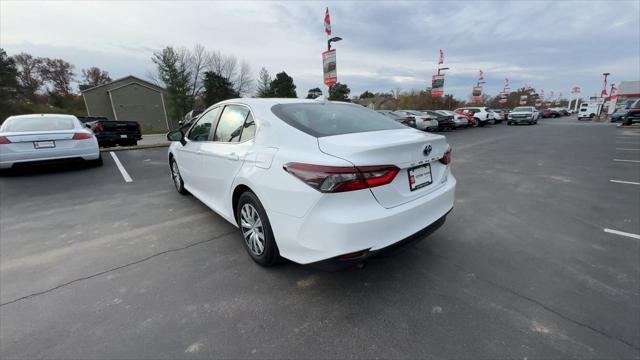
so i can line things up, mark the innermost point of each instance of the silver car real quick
(38, 138)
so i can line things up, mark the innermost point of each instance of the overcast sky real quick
(387, 45)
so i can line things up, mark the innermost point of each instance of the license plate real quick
(123, 136)
(44, 144)
(420, 176)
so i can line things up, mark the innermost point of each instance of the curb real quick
(137, 147)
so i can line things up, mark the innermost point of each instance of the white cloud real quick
(386, 44)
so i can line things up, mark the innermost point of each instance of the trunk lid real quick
(404, 148)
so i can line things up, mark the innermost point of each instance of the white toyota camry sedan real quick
(42, 138)
(314, 181)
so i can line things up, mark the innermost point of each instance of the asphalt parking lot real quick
(530, 264)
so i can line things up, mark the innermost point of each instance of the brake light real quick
(81, 136)
(4, 140)
(446, 159)
(333, 179)
(99, 127)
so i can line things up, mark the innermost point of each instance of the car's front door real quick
(189, 156)
(223, 157)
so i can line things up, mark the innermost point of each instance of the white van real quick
(588, 110)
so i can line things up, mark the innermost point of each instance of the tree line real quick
(30, 84)
(197, 78)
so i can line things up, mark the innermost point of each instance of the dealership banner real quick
(523, 99)
(437, 85)
(329, 67)
(538, 103)
(476, 94)
(503, 97)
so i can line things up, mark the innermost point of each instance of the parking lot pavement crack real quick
(542, 305)
(117, 268)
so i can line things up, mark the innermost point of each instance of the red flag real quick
(327, 22)
(481, 75)
(441, 61)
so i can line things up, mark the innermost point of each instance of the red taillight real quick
(4, 140)
(446, 159)
(332, 179)
(99, 127)
(81, 136)
(352, 255)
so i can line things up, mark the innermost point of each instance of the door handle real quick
(233, 157)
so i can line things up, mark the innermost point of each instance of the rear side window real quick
(41, 123)
(249, 130)
(328, 119)
(231, 124)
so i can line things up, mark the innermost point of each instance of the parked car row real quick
(442, 120)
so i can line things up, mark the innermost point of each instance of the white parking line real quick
(625, 160)
(627, 149)
(123, 171)
(622, 233)
(625, 182)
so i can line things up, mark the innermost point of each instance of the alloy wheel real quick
(252, 229)
(175, 174)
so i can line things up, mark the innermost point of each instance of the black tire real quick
(130, 143)
(176, 177)
(476, 123)
(97, 162)
(627, 122)
(263, 252)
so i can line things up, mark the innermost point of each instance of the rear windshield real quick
(42, 123)
(327, 119)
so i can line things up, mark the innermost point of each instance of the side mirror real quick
(87, 126)
(176, 135)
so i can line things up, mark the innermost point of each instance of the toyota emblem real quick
(427, 150)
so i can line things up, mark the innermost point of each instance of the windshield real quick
(328, 119)
(40, 123)
(523, 109)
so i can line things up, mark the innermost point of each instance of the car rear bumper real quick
(8, 160)
(116, 138)
(354, 221)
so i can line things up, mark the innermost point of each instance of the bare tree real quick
(29, 78)
(94, 76)
(195, 61)
(59, 74)
(244, 81)
(227, 66)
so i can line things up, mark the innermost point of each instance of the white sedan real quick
(42, 138)
(311, 180)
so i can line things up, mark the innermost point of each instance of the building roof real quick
(629, 88)
(126, 80)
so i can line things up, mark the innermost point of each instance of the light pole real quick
(333, 39)
(604, 87)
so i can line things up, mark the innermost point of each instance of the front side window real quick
(201, 130)
(231, 124)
